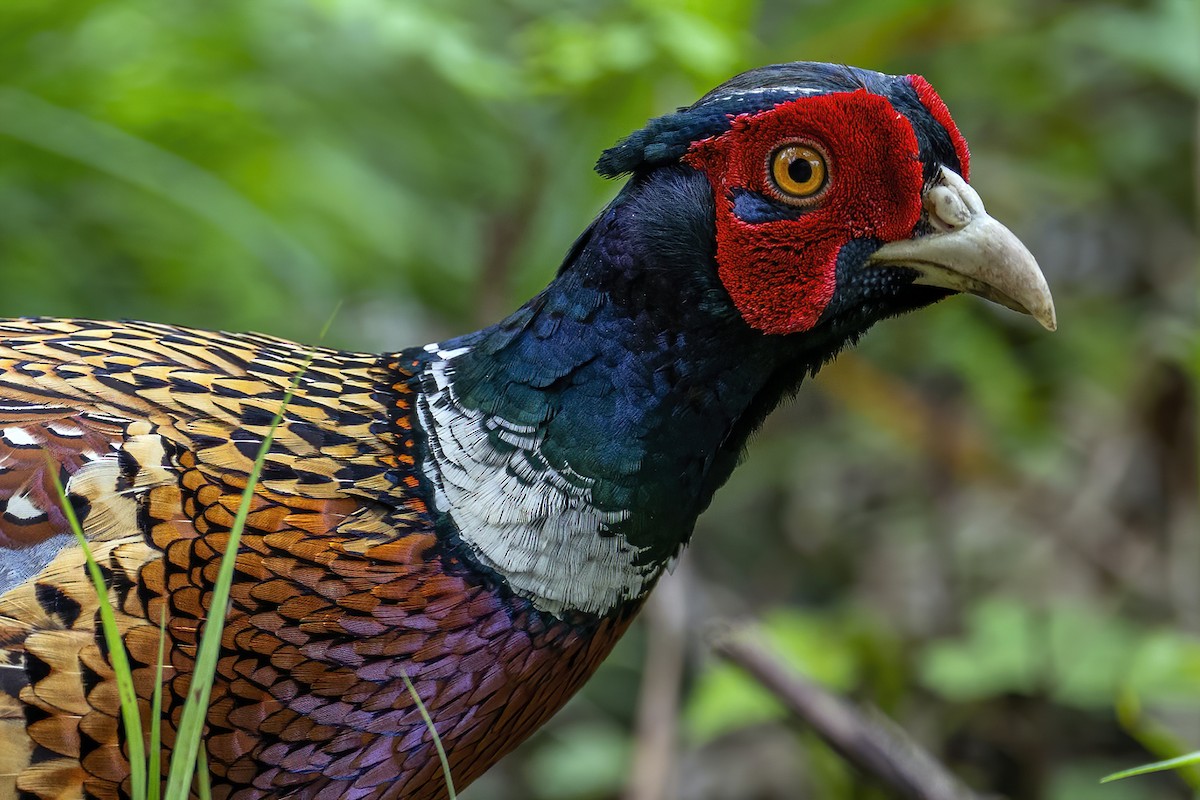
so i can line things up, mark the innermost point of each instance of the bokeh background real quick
(987, 531)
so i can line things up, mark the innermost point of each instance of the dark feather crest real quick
(667, 138)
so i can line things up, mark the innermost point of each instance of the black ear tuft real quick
(664, 139)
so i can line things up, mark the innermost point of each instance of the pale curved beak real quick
(968, 251)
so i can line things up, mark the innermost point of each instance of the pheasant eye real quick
(798, 172)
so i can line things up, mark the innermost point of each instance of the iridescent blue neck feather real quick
(612, 405)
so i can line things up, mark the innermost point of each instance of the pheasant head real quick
(760, 230)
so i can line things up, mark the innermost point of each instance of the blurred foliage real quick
(987, 531)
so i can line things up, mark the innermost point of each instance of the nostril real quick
(947, 211)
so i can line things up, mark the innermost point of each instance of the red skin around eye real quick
(781, 274)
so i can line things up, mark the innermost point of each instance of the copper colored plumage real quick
(337, 548)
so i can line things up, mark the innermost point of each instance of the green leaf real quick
(996, 656)
(1166, 669)
(725, 700)
(1076, 780)
(1158, 766)
(1079, 655)
(585, 761)
(1090, 655)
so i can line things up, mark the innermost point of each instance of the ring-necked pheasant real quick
(485, 514)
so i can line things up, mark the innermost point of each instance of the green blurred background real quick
(988, 531)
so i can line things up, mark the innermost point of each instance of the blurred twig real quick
(653, 776)
(869, 741)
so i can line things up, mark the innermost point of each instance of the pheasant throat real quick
(532, 523)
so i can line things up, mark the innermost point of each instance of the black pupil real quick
(800, 171)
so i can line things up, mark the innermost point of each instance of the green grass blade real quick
(203, 779)
(195, 709)
(117, 657)
(154, 769)
(1158, 766)
(437, 740)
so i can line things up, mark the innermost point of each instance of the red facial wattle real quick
(937, 109)
(781, 273)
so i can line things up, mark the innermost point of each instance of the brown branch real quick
(869, 740)
(654, 771)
